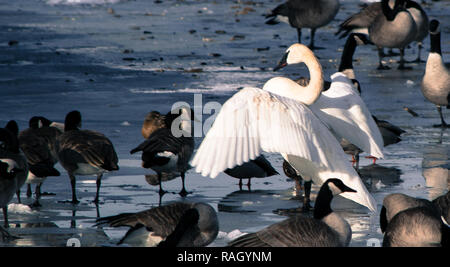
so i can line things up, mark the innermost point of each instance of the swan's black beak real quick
(282, 63)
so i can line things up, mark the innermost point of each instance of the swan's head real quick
(296, 53)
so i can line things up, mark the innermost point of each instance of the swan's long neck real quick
(288, 88)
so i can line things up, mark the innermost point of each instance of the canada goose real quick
(164, 152)
(8, 184)
(300, 14)
(396, 203)
(443, 205)
(279, 124)
(258, 168)
(326, 229)
(361, 21)
(394, 28)
(295, 175)
(420, 17)
(415, 227)
(409, 221)
(179, 224)
(84, 152)
(11, 173)
(38, 144)
(13, 151)
(436, 80)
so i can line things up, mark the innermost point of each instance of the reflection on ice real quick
(377, 176)
(435, 170)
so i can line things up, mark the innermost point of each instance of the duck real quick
(14, 152)
(326, 229)
(84, 152)
(257, 168)
(38, 144)
(311, 14)
(255, 120)
(178, 224)
(164, 151)
(435, 84)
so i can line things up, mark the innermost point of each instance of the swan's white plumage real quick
(341, 109)
(254, 120)
(345, 113)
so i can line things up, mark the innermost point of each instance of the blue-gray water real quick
(117, 60)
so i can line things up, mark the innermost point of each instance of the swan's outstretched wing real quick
(346, 114)
(254, 120)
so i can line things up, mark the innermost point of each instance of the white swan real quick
(254, 120)
(340, 107)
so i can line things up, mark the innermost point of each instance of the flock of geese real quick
(310, 122)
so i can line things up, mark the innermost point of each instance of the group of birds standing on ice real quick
(312, 123)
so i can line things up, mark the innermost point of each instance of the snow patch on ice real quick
(20, 209)
(231, 235)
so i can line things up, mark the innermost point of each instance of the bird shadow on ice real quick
(376, 177)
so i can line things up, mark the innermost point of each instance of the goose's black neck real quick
(322, 206)
(435, 41)
(187, 221)
(347, 54)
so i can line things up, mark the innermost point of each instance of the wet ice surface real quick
(117, 60)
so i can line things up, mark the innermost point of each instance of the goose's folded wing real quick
(346, 114)
(254, 120)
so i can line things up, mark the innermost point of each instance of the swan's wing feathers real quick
(344, 111)
(254, 120)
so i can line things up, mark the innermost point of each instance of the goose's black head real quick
(9, 169)
(283, 62)
(8, 141)
(72, 121)
(434, 26)
(39, 122)
(435, 37)
(330, 188)
(13, 127)
(336, 186)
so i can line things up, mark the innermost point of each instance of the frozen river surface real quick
(117, 60)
